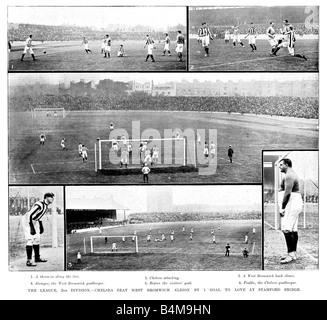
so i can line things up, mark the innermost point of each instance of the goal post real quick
(114, 244)
(48, 112)
(171, 151)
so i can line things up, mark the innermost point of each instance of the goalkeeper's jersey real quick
(37, 211)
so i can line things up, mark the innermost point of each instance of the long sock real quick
(29, 252)
(23, 55)
(241, 43)
(36, 249)
(289, 240)
(255, 47)
(234, 44)
(295, 240)
(152, 57)
(147, 57)
(33, 57)
(251, 46)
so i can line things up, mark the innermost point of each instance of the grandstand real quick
(276, 106)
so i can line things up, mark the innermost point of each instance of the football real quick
(44, 52)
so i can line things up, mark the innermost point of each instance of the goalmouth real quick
(171, 153)
(114, 244)
(48, 112)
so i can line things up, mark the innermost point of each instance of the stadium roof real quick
(94, 204)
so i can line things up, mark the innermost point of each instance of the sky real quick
(99, 17)
(135, 197)
(55, 78)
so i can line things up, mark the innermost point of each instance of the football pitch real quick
(71, 56)
(223, 57)
(182, 254)
(32, 163)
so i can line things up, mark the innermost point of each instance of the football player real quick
(28, 47)
(33, 228)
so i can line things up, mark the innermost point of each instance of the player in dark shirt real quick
(230, 154)
(291, 204)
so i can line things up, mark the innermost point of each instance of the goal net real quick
(305, 165)
(167, 152)
(48, 112)
(114, 244)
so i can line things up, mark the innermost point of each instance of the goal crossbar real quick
(125, 141)
(107, 242)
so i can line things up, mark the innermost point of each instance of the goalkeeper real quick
(33, 228)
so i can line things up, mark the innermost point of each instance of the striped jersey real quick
(149, 41)
(252, 31)
(37, 211)
(204, 31)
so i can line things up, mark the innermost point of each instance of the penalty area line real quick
(32, 168)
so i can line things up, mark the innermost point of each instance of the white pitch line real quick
(177, 250)
(253, 247)
(242, 61)
(302, 249)
(33, 168)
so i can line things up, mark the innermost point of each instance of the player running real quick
(167, 45)
(28, 47)
(150, 43)
(252, 34)
(272, 39)
(86, 45)
(236, 36)
(205, 36)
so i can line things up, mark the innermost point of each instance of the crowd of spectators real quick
(276, 106)
(73, 33)
(155, 217)
(218, 31)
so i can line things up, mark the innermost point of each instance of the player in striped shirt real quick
(288, 41)
(236, 37)
(33, 228)
(167, 45)
(205, 36)
(180, 45)
(252, 34)
(150, 43)
(28, 47)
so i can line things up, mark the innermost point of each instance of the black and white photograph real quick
(184, 128)
(164, 228)
(125, 38)
(36, 228)
(291, 210)
(254, 38)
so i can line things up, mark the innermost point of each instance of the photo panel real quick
(291, 210)
(254, 38)
(185, 128)
(36, 228)
(97, 38)
(160, 228)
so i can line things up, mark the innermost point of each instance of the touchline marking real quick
(32, 168)
(242, 61)
(253, 247)
(177, 250)
(306, 252)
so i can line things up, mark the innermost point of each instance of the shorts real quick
(273, 41)
(28, 49)
(252, 39)
(107, 48)
(205, 41)
(84, 154)
(236, 37)
(31, 239)
(115, 147)
(292, 211)
(166, 46)
(147, 158)
(155, 155)
(227, 37)
(86, 47)
(179, 48)
(150, 49)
